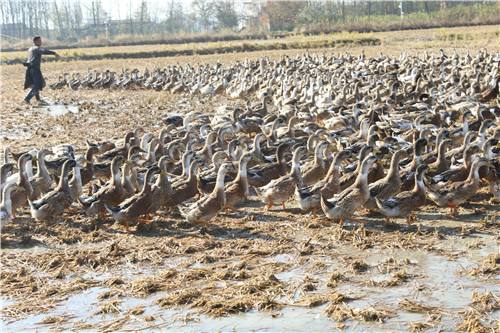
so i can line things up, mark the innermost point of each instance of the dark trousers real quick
(34, 91)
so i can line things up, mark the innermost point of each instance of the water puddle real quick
(282, 258)
(432, 280)
(14, 134)
(57, 110)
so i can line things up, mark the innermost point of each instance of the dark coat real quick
(34, 78)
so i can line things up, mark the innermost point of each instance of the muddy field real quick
(250, 270)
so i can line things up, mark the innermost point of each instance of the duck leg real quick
(453, 211)
(283, 205)
(270, 205)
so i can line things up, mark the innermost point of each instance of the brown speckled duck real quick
(53, 203)
(347, 202)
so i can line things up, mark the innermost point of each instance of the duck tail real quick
(83, 200)
(326, 205)
(113, 211)
(303, 192)
(34, 205)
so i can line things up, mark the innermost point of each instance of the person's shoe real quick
(27, 102)
(41, 102)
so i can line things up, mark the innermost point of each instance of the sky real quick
(119, 9)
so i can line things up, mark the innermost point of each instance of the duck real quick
(129, 181)
(237, 190)
(387, 186)
(440, 137)
(6, 212)
(137, 205)
(309, 198)
(87, 170)
(262, 174)
(6, 170)
(206, 152)
(75, 183)
(185, 189)
(281, 189)
(257, 151)
(458, 173)
(313, 173)
(441, 164)
(207, 207)
(111, 193)
(162, 188)
(41, 182)
(349, 178)
(118, 151)
(52, 204)
(22, 190)
(407, 174)
(207, 178)
(458, 151)
(454, 193)
(13, 178)
(60, 154)
(404, 203)
(102, 146)
(347, 202)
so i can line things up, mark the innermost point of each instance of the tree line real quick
(72, 20)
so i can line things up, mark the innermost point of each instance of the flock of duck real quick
(337, 134)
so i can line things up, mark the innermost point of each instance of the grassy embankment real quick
(480, 36)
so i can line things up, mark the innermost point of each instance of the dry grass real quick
(485, 302)
(141, 51)
(342, 312)
(110, 307)
(413, 306)
(476, 319)
(450, 37)
(488, 268)
(394, 280)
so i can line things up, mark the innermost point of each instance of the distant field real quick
(480, 36)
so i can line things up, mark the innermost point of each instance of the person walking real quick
(34, 78)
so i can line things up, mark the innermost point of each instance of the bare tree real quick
(59, 21)
(225, 13)
(204, 11)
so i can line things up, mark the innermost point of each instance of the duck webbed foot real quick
(453, 211)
